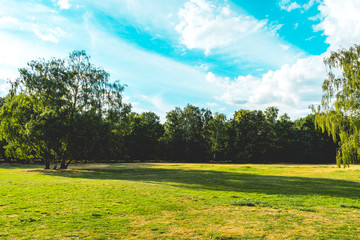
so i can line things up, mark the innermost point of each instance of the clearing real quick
(180, 201)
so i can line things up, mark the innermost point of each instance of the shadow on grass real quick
(20, 165)
(223, 181)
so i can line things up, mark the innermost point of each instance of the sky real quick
(224, 55)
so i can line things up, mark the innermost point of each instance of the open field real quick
(172, 201)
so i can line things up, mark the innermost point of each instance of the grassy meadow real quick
(180, 201)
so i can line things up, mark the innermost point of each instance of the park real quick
(78, 163)
(199, 175)
(180, 201)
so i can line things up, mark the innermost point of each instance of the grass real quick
(180, 201)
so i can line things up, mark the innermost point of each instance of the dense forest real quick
(63, 110)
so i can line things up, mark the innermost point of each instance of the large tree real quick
(62, 92)
(339, 112)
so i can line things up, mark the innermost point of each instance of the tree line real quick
(63, 110)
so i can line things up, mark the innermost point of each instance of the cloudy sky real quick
(224, 55)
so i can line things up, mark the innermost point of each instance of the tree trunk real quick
(63, 164)
(67, 164)
(47, 163)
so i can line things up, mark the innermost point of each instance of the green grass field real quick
(180, 201)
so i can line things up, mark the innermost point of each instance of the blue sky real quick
(224, 55)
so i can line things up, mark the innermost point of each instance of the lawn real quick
(180, 201)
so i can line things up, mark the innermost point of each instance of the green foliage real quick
(60, 110)
(47, 102)
(143, 141)
(20, 121)
(218, 129)
(271, 114)
(340, 106)
(252, 136)
(186, 134)
(90, 138)
(315, 146)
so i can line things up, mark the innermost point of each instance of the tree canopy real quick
(63, 110)
(45, 104)
(339, 112)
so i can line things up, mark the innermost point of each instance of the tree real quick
(3, 143)
(120, 119)
(186, 134)
(218, 135)
(339, 112)
(62, 90)
(91, 137)
(19, 127)
(250, 137)
(271, 114)
(285, 146)
(143, 141)
(309, 144)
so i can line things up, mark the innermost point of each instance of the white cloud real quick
(64, 4)
(310, 4)
(295, 85)
(289, 6)
(202, 67)
(53, 35)
(233, 92)
(216, 29)
(33, 19)
(206, 26)
(340, 22)
(285, 47)
(8, 20)
(212, 104)
(292, 88)
(273, 29)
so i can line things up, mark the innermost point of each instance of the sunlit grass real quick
(172, 201)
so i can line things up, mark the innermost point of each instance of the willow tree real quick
(339, 112)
